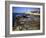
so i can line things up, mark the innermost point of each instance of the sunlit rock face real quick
(28, 22)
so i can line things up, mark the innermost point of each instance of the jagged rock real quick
(28, 22)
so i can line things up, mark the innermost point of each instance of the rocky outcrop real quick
(28, 22)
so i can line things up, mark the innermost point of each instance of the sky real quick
(23, 9)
